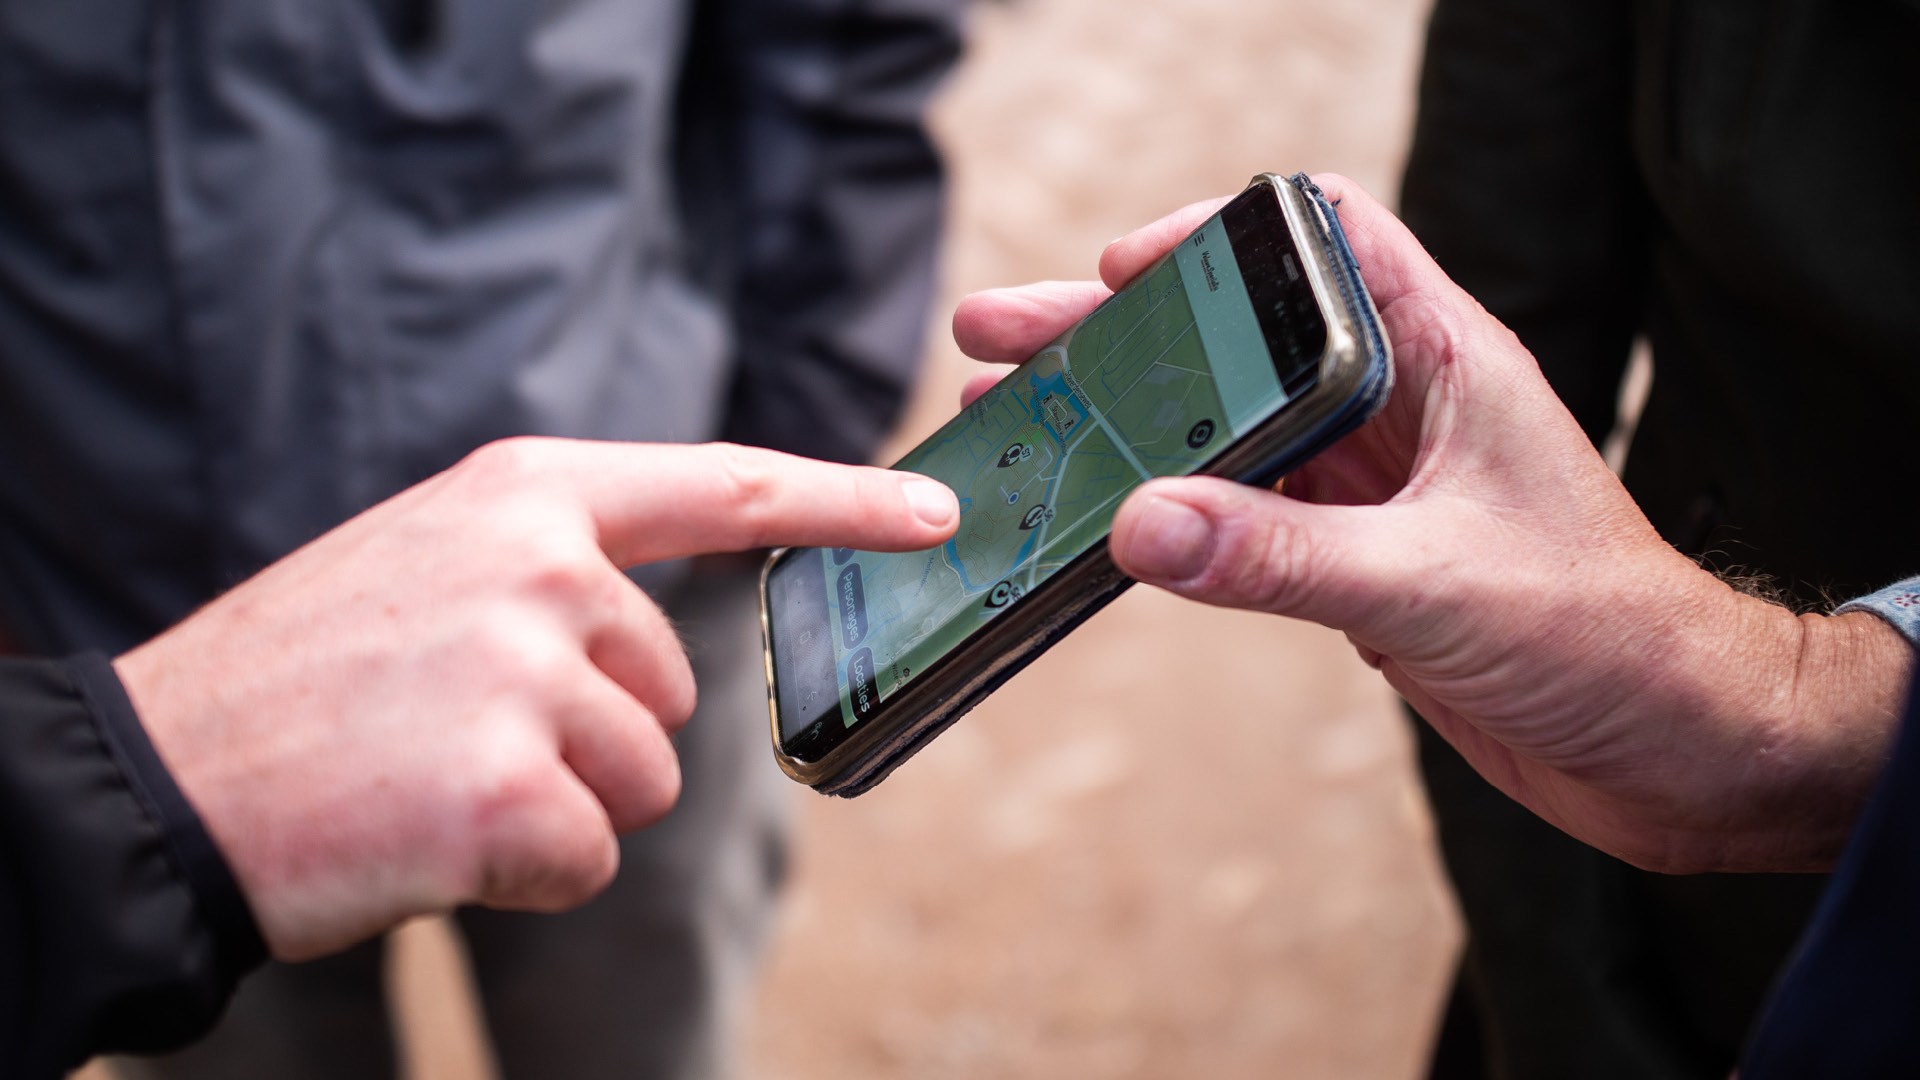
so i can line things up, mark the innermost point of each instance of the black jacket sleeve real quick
(1521, 182)
(121, 927)
(803, 149)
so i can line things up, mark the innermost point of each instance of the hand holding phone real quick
(1241, 353)
(1472, 545)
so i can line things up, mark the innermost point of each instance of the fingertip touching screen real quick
(1211, 341)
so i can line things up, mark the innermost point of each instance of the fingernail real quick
(932, 501)
(1171, 542)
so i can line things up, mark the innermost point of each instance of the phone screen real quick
(1157, 381)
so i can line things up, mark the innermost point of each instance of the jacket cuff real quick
(1898, 604)
(121, 929)
(223, 908)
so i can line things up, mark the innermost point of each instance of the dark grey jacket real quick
(265, 262)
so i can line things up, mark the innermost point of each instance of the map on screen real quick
(1041, 461)
(1155, 382)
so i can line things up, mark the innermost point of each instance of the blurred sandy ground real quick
(1187, 842)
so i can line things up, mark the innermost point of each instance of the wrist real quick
(1849, 689)
(1808, 708)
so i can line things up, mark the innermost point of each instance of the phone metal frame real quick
(1356, 376)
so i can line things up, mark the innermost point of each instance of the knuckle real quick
(749, 484)
(660, 802)
(507, 786)
(539, 669)
(559, 566)
(654, 793)
(678, 695)
(583, 868)
(1275, 567)
(506, 653)
(540, 845)
(551, 870)
(507, 464)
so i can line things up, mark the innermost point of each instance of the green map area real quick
(1041, 463)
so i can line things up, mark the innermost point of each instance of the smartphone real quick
(1243, 352)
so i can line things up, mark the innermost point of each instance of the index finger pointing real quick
(653, 502)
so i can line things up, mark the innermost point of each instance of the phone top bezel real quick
(1343, 370)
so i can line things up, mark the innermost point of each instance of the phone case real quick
(1356, 377)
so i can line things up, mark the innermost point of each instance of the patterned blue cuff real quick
(1898, 604)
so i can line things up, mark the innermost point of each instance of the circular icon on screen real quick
(1002, 594)
(1200, 434)
(1037, 515)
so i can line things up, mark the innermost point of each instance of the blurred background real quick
(1187, 842)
